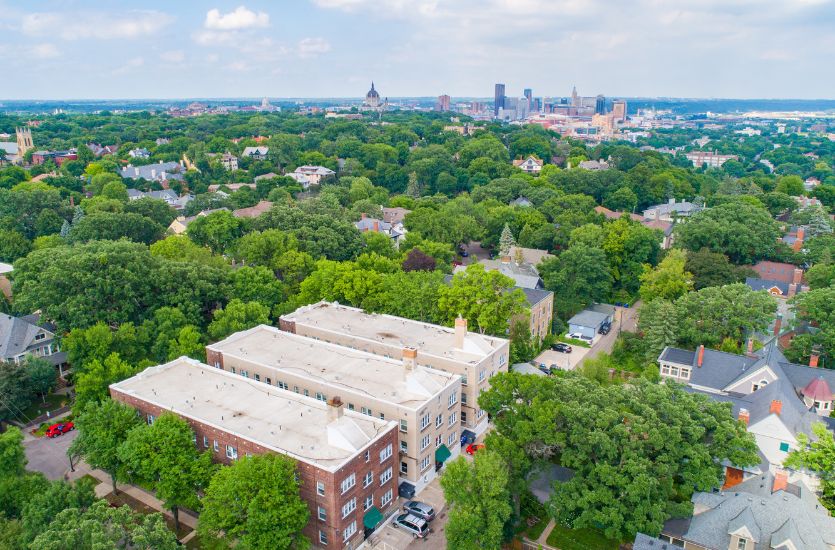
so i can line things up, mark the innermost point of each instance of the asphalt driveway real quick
(48, 456)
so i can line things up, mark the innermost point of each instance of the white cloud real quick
(129, 65)
(240, 18)
(173, 56)
(312, 47)
(104, 26)
(44, 51)
(239, 66)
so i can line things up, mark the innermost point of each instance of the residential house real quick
(776, 399)
(708, 158)
(522, 202)
(541, 312)
(795, 237)
(229, 161)
(267, 176)
(256, 153)
(394, 215)
(588, 322)
(22, 336)
(159, 172)
(665, 227)
(777, 271)
(525, 275)
(593, 165)
(169, 196)
(181, 223)
(314, 174)
(530, 165)
(810, 183)
(58, 157)
(532, 256)
(253, 211)
(672, 211)
(139, 153)
(102, 150)
(345, 461)
(301, 179)
(765, 512)
(779, 288)
(396, 232)
(9, 148)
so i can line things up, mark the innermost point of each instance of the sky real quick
(73, 49)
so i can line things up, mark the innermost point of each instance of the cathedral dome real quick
(372, 93)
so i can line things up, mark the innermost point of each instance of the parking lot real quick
(389, 537)
(48, 456)
(564, 361)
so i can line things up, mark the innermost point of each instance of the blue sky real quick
(62, 49)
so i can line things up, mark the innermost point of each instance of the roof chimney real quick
(335, 408)
(460, 332)
(700, 356)
(409, 358)
(777, 324)
(797, 277)
(792, 290)
(750, 348)
(781, 481)
(814, 358)
(376, 226)
(776, 407)
(744, 416)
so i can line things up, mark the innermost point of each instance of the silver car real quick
(413, 524)
(419, 509)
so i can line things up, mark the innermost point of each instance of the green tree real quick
(44, 506)
(668, 280)
(163, 455)
(506, 242)
(42, 376)
(104, 426)
(790, 185)
(179, 248)
(93, 381)
(657, 322)
(479, 502)
(14, 387)
(817, 307)
(13, 245)
(714, 269)
(629, 246)
(218, 230)
(578, 277)
(817, 455)
(12, 455)
(238, 316)
(486, 298)
(114, 226)
(255, 503)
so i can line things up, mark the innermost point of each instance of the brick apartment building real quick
(425, 402)
(475, 357)
(346, 461)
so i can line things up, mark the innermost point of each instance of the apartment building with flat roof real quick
(475, 357)
(346, 461)
(424, 402)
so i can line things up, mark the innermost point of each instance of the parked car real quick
(473, 448)
(59, 429)
(605, 328)
(419, 509)
(418, 527)
(562, 348)
(542, 367)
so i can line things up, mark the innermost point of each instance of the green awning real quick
(442, 453)
(372, 518)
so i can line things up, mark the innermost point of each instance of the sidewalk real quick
(106, 487)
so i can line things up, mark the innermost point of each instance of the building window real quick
(366, 411)
(741, 543)
(479, 413)
(283, 385)
(367, 455)
(257, 377)
(349, 507)
(296, 389)
(368, 503)
(194, 438)
(439, 440)
(404, 468)
(323, 514)
(453, 417)
(382, 416)
(453, 399)
(463, 379)
(424, 464)
(321, 396)
(463, 398)
(439, 420)
(385, 453)
(349, 531)
(323, 538)
(149, 419)
(215, 446)
(424, 421)
(348, 482)
(450, 441)
(205, 442)
(424, 442)
(320, 488)
(665, 370)
(404, 446)
(482, 374)
(404, 426)
(268, 381)
(306, 393)
(350, 406)
(231, 452)
(386, 498)
(233, 370)
(244, 373)
(463, 418)
(784, 447)
(369, 477)
(385, 476)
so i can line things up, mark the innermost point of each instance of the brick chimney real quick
(781, 481)
(792, 290)
(744, 416)
(750, 346)
(797, 276)
(376, 226)
(778, 322)
(814, 358)
(335, 408)
(798, 243)
(460, 332)
(776, 407)
(700, 357)
(409, 358)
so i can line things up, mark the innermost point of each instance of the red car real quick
(473, 448)
(59, 429)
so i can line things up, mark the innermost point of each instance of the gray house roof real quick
(766, 284)
(150, 172)
(588, 318)
(17, 335)
(536, 295)
(525, 275)
(646, 542)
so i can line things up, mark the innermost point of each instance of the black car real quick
(562, 348)
(605, 328)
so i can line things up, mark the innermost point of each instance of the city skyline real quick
(425, 48)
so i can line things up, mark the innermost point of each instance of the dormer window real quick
(40, 336)
(741, 543)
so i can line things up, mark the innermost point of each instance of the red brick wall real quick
(309, 474)
(213, 357)
(287, 325)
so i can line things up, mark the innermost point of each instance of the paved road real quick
(48, 456)
(626, 319)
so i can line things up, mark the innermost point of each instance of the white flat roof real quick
(348, 371)
(6, 268)
(396, 331)
(281, 420)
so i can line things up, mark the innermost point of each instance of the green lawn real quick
(579, 539)
(535, 530)
(38, 407)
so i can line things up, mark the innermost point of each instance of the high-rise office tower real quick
(529, 96)
(600, 105)
(443, 103)
(498, 100)
(619, 110)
